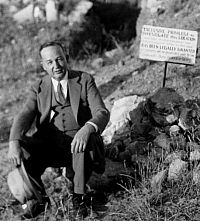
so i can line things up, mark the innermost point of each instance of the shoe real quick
(79, 207)
(33, 208)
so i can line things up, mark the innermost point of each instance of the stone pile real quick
(166, 129)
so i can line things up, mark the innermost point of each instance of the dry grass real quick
(178, 201)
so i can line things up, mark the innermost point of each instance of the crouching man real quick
(68, 115)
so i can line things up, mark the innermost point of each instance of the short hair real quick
(54, 43)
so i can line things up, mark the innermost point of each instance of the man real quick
(60, 126)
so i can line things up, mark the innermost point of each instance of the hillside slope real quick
(128, 76)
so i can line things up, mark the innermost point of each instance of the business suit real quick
(86, 104)
(39, 103)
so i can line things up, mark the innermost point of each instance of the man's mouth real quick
(58, 71)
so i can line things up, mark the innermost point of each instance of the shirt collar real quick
(63, 82)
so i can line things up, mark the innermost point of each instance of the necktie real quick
(60, 93)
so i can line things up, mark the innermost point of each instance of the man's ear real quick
(42, 66)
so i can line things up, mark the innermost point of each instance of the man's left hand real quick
(81, 139)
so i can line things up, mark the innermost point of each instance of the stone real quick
(51, 11)
(152, 5)
(112, 53)
(13, 9)
(135, 73)
(174, 156)
(122, 107)
(119, 117)
(157, 181)
(38, 13)
(81, 9)
(114, 131)
(97, 63)
(162, 141)
(196, 175)
(121, 63)
(195, 155)
(26, 14)
(176, 169)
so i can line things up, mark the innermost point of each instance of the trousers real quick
(56, 152)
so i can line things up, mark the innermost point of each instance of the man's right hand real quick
(15, 152)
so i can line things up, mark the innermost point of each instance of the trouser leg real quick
(86, 162)
(82, 166)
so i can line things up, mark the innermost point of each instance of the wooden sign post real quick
(169, 45)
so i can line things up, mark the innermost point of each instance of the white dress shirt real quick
(64, 90)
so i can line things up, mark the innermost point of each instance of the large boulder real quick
(119, 117)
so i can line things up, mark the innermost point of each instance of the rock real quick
(97, 63)
(121, 63)
(114, 131)
(176, 169)
(141, 122)
(51, 11)
(195, 155)
(26, 14)
(178, 142)
(196, 175)
(13, 9)
(157, 180)
(81, 9)
(123, 106)
(189, 116)
(112, 152)
(174, 156)
(152, 5)
(138, 147)
(112, 53)
(135, 73)
(38, 13)
(164, 106)
(174, 130)
(162, 141)
(119, 117)
(134, 151)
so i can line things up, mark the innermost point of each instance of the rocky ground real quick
(128, 75)
(134, 77)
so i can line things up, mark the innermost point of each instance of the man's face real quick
(54, 62)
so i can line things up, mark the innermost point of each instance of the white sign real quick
(168, 44)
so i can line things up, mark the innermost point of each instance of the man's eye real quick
(49, 62)
(60, 59)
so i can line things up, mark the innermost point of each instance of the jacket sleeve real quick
(100, 115)
(23, 121)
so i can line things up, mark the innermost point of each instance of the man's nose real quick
(56, 64)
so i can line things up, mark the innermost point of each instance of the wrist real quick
(14, 143)
(90, 127)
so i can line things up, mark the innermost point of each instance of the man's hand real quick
(81, 138)
(15, 152)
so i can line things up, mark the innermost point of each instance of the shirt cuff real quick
(93, 124)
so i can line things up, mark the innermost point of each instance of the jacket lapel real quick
(45, 98)
(74, 92)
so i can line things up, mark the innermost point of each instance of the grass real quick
(177, 201)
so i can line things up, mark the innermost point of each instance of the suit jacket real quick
(85, 99)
